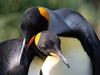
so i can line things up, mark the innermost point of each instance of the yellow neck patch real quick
(44, 12)
(37, 38)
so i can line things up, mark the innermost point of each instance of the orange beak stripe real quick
(31, 40)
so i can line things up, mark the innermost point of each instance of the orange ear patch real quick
(44, 12)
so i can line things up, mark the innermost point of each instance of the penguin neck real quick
(91, 44)
(89, 40)
(48, 65)
(27, 56)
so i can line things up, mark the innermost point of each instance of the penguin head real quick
(49, 44)
(34, 20)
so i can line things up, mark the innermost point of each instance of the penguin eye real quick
(44, 47)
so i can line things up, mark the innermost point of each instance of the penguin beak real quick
(58, 54)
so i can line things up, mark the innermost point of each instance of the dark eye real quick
(44, 47)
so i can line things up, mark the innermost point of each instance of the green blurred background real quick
(11, 11)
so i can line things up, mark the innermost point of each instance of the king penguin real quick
(49, 44)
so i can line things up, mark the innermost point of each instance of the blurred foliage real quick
(9, 26)
(11, 11)
(13, 6)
